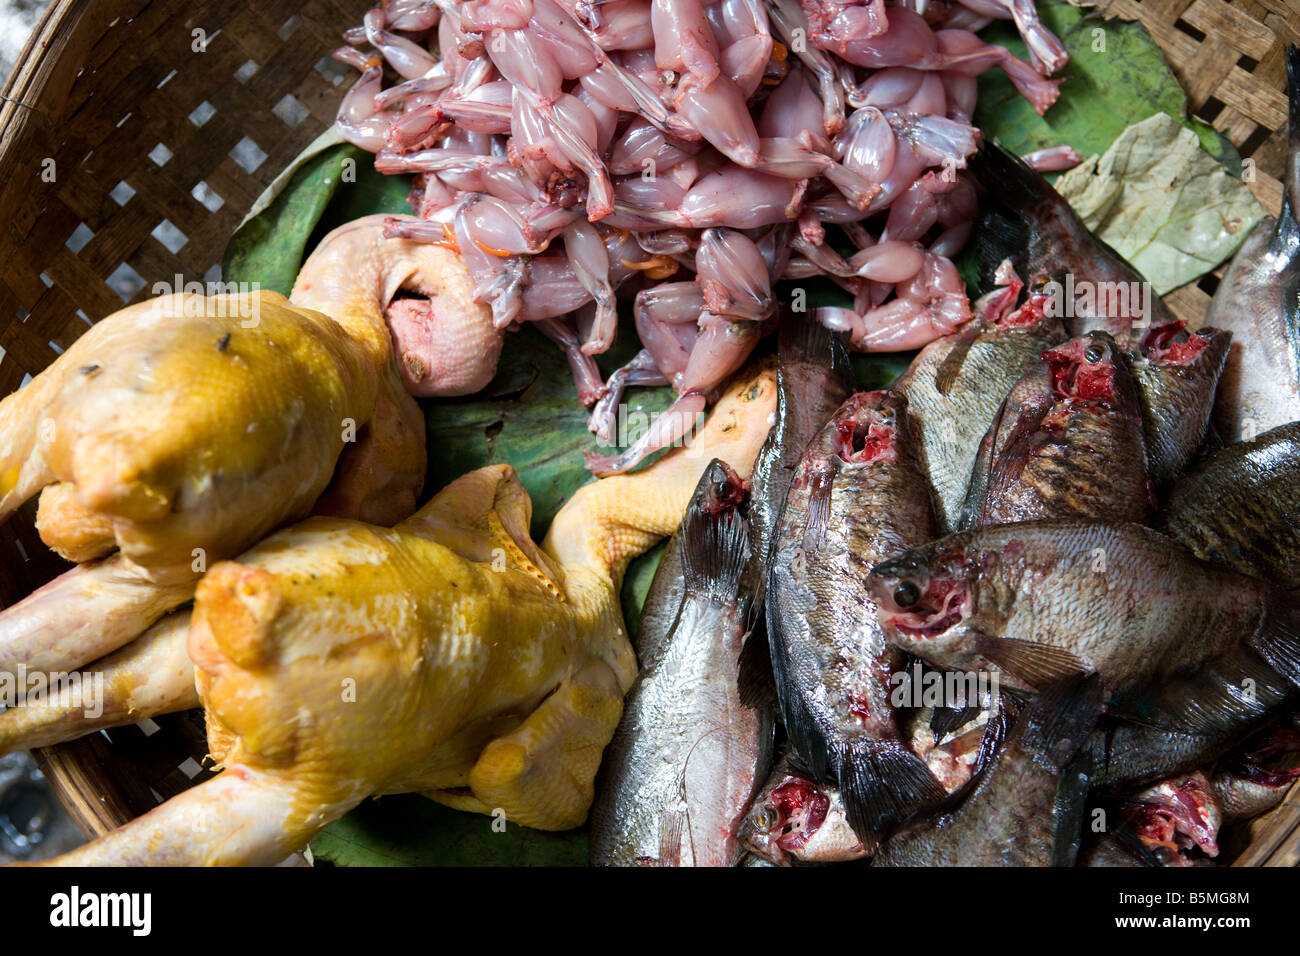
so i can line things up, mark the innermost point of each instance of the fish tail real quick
(1015, 196)
(1068, 810)
(1278, 640)
(807, 739)
(883, 784)
(1056, 724)
(802, 339)
(1011, 181)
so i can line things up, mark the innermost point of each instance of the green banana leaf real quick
(1116, 77)
(529, 416)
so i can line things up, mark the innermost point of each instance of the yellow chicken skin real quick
(448, 655)
(179, 431)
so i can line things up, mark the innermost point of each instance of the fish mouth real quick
(915, 605)
(1177, 820)
(1164, 344)
(1083, 369)
(867, 432)
(726, 489)
(793, 814)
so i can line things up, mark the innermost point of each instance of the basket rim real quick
(33, 99)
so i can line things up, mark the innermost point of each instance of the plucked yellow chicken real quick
(179, 431)
(448, 655)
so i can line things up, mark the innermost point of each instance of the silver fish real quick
(1258, 301)
(687, 756)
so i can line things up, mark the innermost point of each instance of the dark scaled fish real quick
(1026, 808)
(1258, 301)
(1239, 507)
(1177, 375)
(1044, 599)
(814, 377)
(797, 820)
(955, 385)
(1022, 216)
(1067, 443)
(687, 756)
(1193, 655)
(857, 496)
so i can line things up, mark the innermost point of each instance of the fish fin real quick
(1056, 724)
(972, 508)
(996, 732)
(1035, 665)
(883, 784)
(1011, 183)
(715, 553)
(1069, 810)
(990, 460)
(1278, 641)
(807, 739)
(804, 340)
(756, 682)
(999, 234)
(945, 376)
(819, 513)
(671, 826)
(945, 720)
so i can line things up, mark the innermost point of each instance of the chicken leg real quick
(177, 432)
(448, 655)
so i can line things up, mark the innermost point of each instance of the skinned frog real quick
(448, 655)
(181, 430)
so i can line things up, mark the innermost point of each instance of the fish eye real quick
(1094, 354)
(722, 489)
(906, 594)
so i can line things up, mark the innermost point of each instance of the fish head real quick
(1177, 814)
(1091, 367)
(1202, 352)
(923, 594)
(723, 490)
(784, 820)
(867, 428)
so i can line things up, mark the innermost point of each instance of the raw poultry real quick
(179, 431)
(448, 655)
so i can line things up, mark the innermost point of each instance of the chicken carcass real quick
(179, 431)
(448, 655)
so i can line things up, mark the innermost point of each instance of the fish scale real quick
(831, 666)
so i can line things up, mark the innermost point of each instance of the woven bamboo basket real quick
(136, 134)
